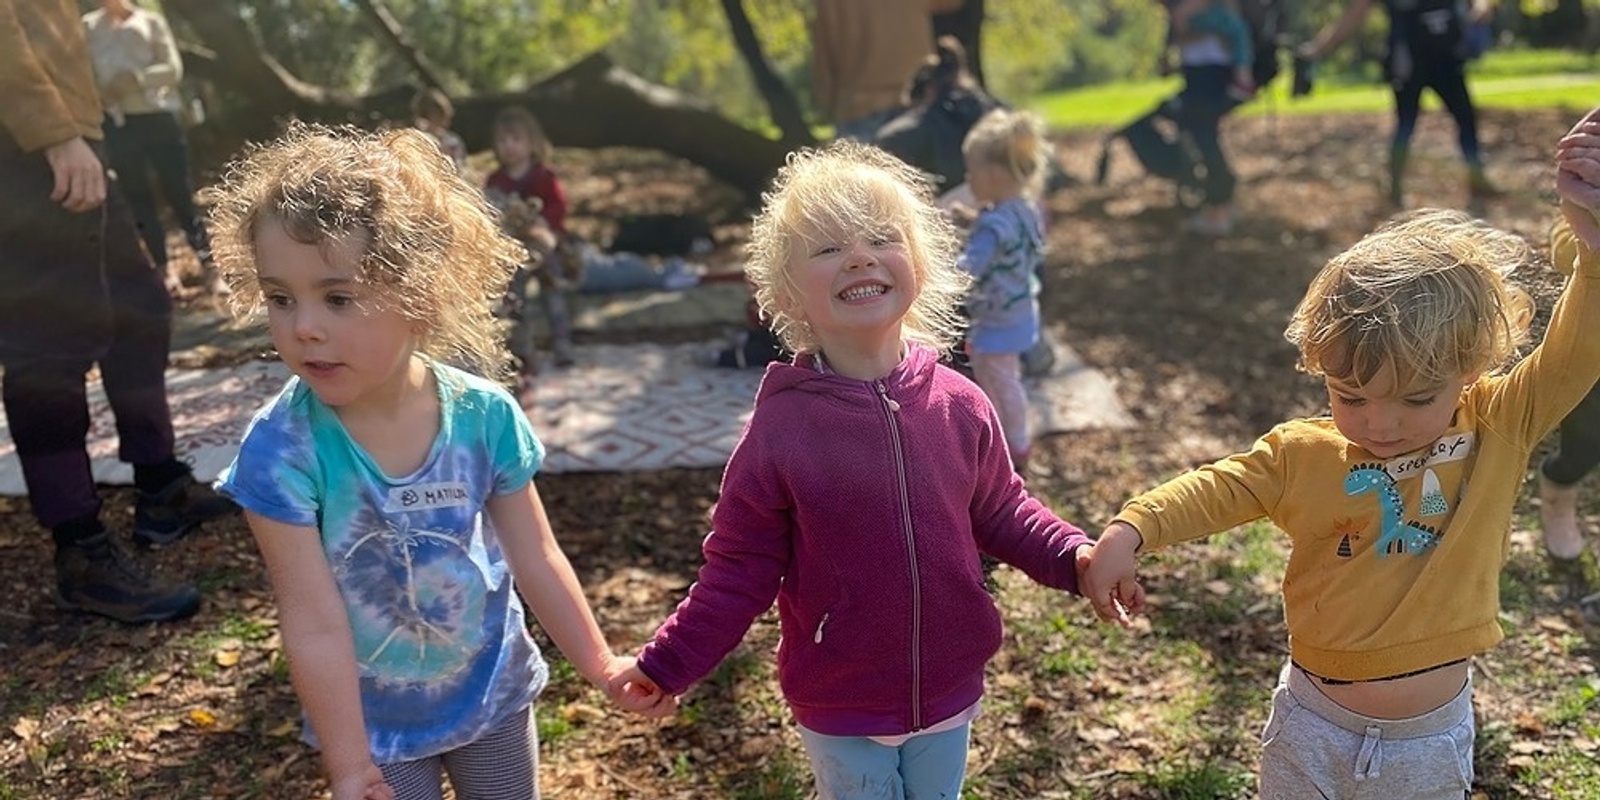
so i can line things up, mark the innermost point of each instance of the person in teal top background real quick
(390, 493)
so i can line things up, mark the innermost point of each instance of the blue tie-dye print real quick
(439, 632)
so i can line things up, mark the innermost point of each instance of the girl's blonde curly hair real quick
(855, 189)
(1013, 141)
(433, 246)
(1426, 295)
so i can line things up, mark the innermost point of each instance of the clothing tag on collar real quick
(426, 496)
(1453, 447)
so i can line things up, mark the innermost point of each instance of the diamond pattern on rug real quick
(210, 410)
(639, 407)
(622, 408)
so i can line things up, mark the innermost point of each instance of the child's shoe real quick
(1558, 516)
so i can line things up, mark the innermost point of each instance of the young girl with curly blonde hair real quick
(1398, 504)
(390, 492)
(1005, 157)
(866, 484)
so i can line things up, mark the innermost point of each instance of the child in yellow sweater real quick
(1398, 505)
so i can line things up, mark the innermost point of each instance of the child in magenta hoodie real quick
(864, 488)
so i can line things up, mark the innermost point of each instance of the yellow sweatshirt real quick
(1394, 565)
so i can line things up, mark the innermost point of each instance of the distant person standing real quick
(942, 102)
(137, 67)
(1209, 94)
(1428, 49)
(864, 54)
(78, 293)
(432, 111)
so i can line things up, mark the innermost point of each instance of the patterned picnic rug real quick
(631, 407)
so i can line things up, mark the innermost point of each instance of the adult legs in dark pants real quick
(80, 292)
(1448, 80)
(1577, 452)
(1203, 102)
(154, 144)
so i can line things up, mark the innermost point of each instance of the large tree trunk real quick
(593, 103)
(781, 102)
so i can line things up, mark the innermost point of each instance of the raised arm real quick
(322, 661)
(1578, 179)
(1543, 387)
(1334, 35)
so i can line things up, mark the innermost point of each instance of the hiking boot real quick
(98, 577)
(162, 518)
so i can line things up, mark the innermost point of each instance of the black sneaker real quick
(96, 576)
(162, 518)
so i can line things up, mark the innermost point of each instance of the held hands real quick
(631, 690)
(368, 784)
(1578, 178)
(80, 177)
(1106, 574)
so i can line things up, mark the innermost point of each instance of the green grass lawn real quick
(1503, 79)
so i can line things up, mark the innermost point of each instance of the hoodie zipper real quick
(891, 408)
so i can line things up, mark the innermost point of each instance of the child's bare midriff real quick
(1399, 698)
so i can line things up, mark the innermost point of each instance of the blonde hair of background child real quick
(1013, 141)
(433, 244)
(516, 119)
(1426, 295)
(855, 189)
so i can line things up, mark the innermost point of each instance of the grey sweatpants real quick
(1313, 747)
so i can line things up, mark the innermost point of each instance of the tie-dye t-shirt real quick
(441, 644)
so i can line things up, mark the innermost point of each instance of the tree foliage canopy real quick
(507, 45)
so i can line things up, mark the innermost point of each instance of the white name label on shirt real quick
(424, 496)
(1453, 447)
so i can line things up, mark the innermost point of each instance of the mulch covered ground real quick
(1191, 332)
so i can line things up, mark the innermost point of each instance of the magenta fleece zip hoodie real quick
(862, 507)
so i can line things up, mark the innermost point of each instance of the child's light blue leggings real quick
(1313, 747)
(927, 767)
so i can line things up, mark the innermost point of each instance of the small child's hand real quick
(1106, 574)
(1578, 178)
(632, 690)
(367, 784)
